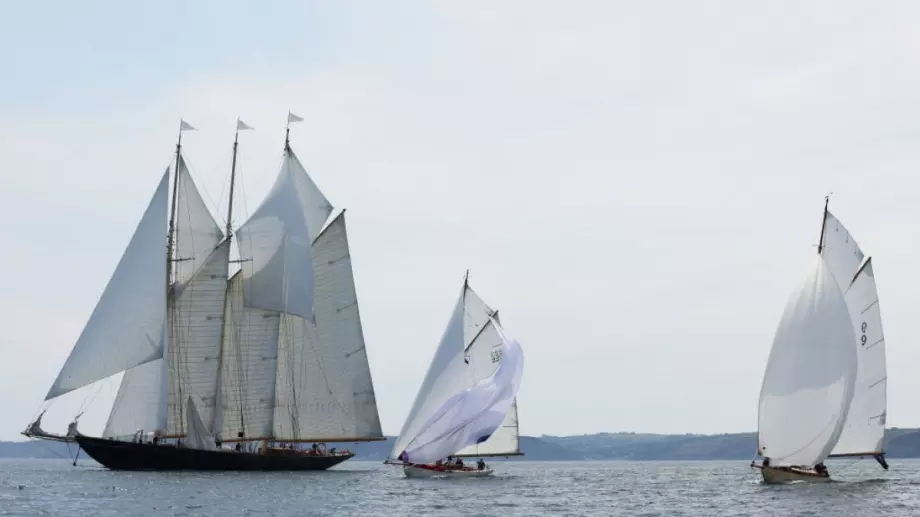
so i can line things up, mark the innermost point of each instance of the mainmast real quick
(823, 224)
(240, 126)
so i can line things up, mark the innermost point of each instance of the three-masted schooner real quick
(824, 391)
(221, 371)
(466, 406)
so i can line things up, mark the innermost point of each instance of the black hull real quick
(117, 455)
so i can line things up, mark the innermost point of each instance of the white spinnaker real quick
(446, 376)
(196, 231)
(276, 241)
(864, 430)
(247, 384)
(140, 403)
(126, 327)
(324, 387)
(472, 415)
(484, 355)
(195, 335)
(810, 376)
(840, 251)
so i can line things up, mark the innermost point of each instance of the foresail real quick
(196, 324)
(247, 386)
(140, 403)
(324, 387)
(864, 431)
(126, 327)
(446, 376)
(810, 376)
(276, 242)
(196, 231)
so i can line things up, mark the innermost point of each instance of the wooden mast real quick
(229, 234)
(823, 224)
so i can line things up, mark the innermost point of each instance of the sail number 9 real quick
(863, 338)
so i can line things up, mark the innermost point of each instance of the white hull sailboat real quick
(212, 358)
(430, 471)
(823, 393)
(466, 406)
(777, 476)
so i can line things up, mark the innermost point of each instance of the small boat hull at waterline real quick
(430, 471)
(776, 476)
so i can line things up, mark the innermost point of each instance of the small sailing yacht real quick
(823, 392)
(270, 357)
(466, 406)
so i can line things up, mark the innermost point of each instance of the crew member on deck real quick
(481, 465)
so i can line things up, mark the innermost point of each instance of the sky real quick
(636, 186)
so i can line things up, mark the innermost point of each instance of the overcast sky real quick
(637, 186)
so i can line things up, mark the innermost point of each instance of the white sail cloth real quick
(864, 430)
(127, 327)
(810, 376)
(277, 241)
(198, 436)
(472, 415)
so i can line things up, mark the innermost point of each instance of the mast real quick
(236, 139)
(823, 224)
(240, 125)
(172, 211)
(171, 241)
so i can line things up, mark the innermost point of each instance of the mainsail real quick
(810, 376)
(200, 351)
(454, 403)
(864, 430)
(324, 383)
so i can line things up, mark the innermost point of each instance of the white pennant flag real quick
(294, 118)
(185, 126)
(242, 126)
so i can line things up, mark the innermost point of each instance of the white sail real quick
(276, 243)
(198, 436)
(140, 403)
(864, 431)
(810, 376)
(454, 367)
(472, 415)
(247, 385)
(483, 355)
(126, 327)
(840, 250)
(324, 387)
(196, 325)
(196, 231)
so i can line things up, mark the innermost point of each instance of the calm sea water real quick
(704, 489)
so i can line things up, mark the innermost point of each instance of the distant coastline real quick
(899, 443)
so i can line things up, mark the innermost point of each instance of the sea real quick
(356, 488)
